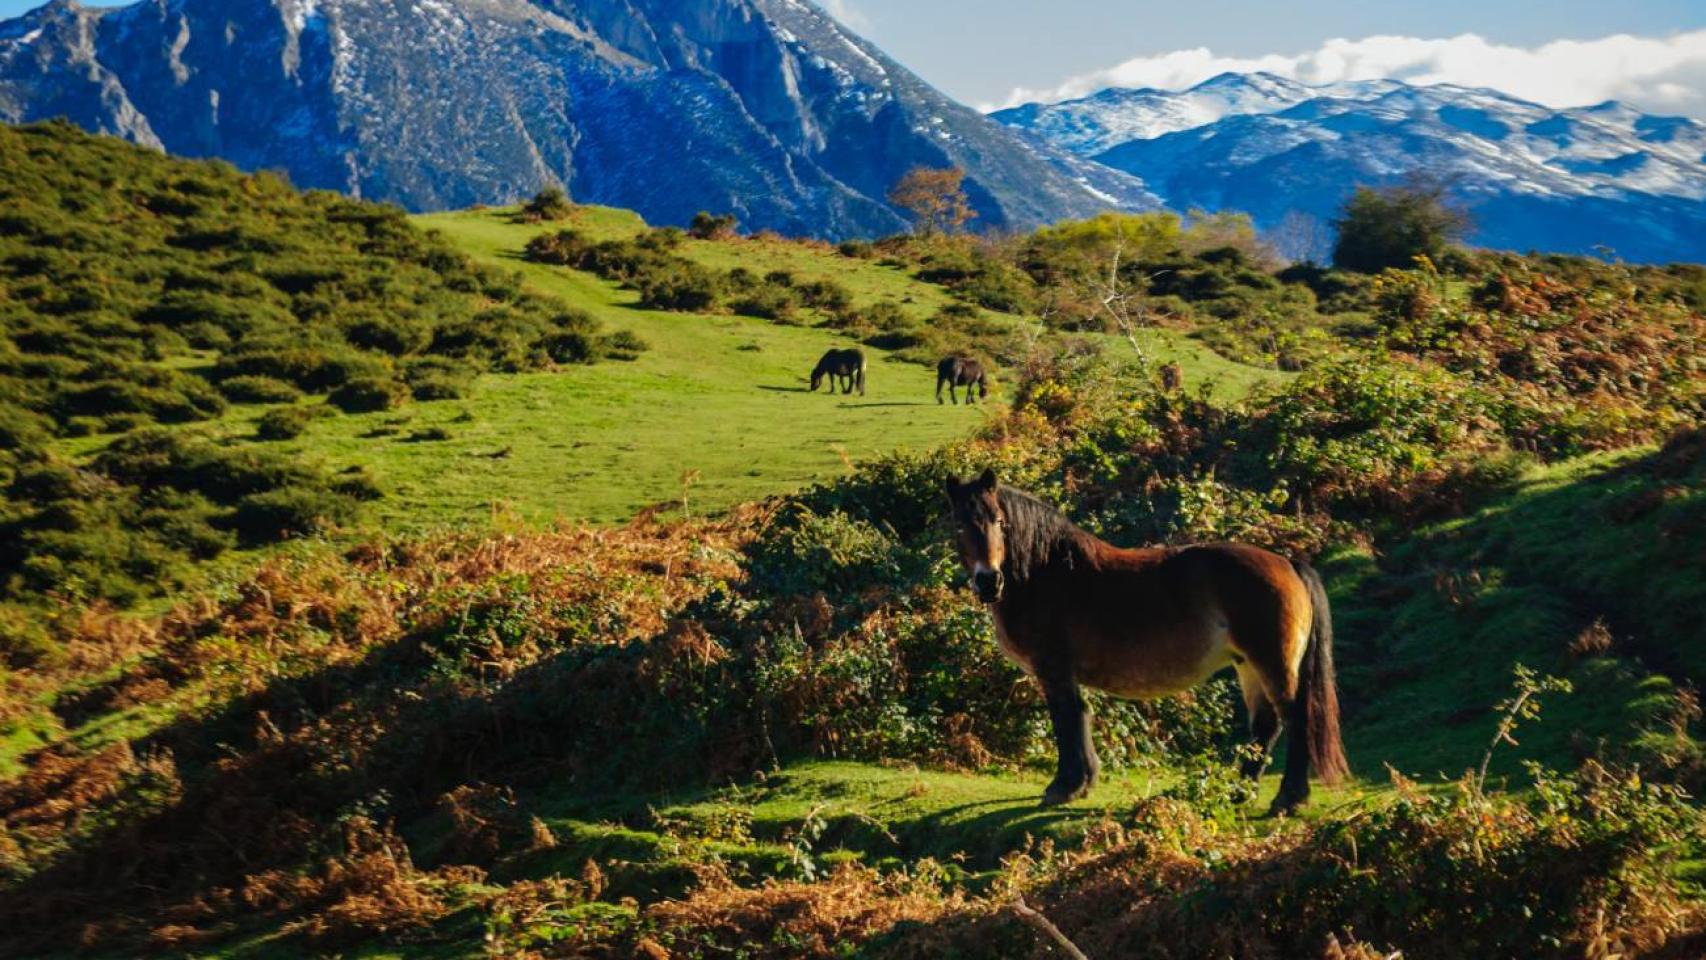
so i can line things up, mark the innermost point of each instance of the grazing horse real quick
(961, 372)
(1072, 610)
(848, 366)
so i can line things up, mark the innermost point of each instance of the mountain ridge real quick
(765, 108)
(1574, 180)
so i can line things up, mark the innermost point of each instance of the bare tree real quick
(1123, 303)
(1301, 238)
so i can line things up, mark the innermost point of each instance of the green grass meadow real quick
(715, 413)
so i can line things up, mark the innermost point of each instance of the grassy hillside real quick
(767, 719)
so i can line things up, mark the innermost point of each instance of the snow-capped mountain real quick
(1534, 177)
(765, 108)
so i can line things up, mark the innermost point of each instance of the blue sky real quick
(993, 52)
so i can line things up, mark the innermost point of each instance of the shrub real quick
(1364, 430)
(287, 423)
(551, 203)
(830, 553)
(369, 395)
(259, 389)
(316, 368)
(770, 301)
(1392, 226)
(825, 295)
(708, 227)
(625, 345)
(169, 396)
(291, 511)
(394, 335)
(679, 285)
(565, 248)
(576, 339)
(22, 429)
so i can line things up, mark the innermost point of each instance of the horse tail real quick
(1317, 687)
(983, 385)
(859, 374)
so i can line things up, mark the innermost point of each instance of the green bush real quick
(830, 553)
(21, 429)
(705, 226)
(1365, 430)
(259, 389)
(291, 511)
(625, 345)
(679, 285)
(565, 248)
(369, 395)
(769, 301)
(315, 368)
(551, 203)
(825, 295)
(287, 423)
(1392, 226)
(393, 335)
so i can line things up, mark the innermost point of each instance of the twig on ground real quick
(1035, 919)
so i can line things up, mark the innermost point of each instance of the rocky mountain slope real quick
(767, 108)
(1533, 177)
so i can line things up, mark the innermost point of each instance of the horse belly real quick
(1161, 666)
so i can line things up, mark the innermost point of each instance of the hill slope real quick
(765, 108)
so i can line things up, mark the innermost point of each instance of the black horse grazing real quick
(961, 372)
(848, 366)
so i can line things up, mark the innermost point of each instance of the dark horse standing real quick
(1072, 610)
(960, 372)
(848, 366)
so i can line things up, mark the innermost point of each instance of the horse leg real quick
(939, 389)
(969, 399)
(1269, 673)
(1294, 785)
(951, 396)
(1077, 764)
(1264, 722)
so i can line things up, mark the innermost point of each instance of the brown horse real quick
(961, 372)
(1073, 610)
(845, 366)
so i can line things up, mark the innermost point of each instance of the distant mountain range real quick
(765, 108)
(1533, 177)
(772, 110)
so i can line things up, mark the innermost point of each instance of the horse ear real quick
(986, 480)
(953, 486)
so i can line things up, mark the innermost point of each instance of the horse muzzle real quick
(988, 584)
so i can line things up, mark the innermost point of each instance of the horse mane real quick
(1037, 535)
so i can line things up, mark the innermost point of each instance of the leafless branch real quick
(1042, 923)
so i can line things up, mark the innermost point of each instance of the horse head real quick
(980, 532)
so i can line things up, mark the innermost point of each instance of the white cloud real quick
(844, 11)
(1657, 74)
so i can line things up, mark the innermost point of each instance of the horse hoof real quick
(1055, 796)
(1284, 806)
